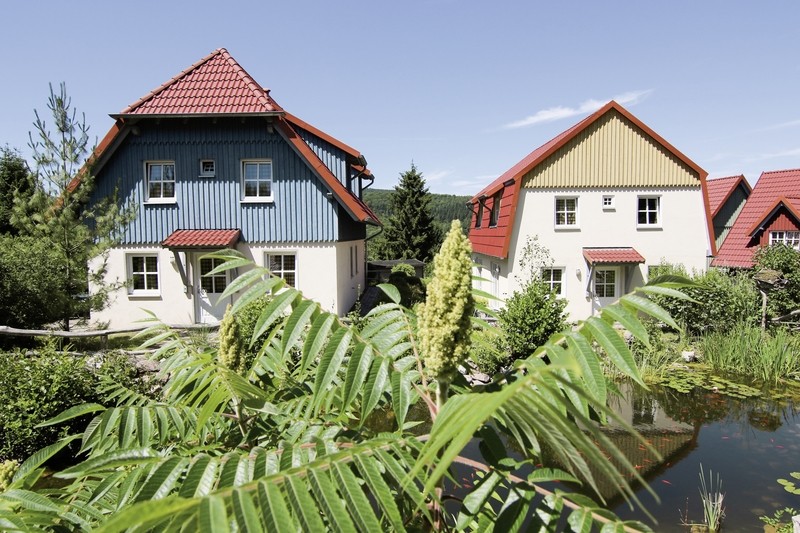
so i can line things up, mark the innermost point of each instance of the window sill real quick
(255, 200)
(567, 228)
(161, 201)
(649, 227)
(144, 295)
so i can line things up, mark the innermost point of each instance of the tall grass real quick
(712, 497)
(745, 349)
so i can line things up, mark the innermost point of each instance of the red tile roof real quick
(495, 241)
(611, 256)
(771, 187)
(720, 189)
(215, 85)
(202, 238)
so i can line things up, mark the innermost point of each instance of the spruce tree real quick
(410, 232)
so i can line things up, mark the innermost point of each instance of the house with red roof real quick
(771, 215)
(608, 198)
(726, 198)
(211, 161)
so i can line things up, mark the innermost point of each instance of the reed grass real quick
(768, 357)
(712, 497)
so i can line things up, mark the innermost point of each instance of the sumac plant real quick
(291, 443)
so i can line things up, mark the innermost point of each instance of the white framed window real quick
(257, 180)
(566, 212)
(608, 202)
(494, 216)
(160, 181)
(648, 211)
(143, 275)
(605, 283)
(791, 238)
(554, 278)
(283, 265)
(215, 283)
(208, 168)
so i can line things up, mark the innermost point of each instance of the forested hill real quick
(444, 207)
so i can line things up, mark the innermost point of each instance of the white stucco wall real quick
(682, 237)
(323, 274)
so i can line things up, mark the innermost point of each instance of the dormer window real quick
(494, 216)
(479, 215)
(208, 168)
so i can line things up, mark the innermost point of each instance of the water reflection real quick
(750, 442)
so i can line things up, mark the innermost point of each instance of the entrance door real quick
(606, 285)
(210, 307)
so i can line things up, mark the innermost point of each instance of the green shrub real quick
(30, 286)
(488, 351)
(411, 288)
(404, 268)
(721, 300)
(530, 317)
(36, 388)
(786, 260)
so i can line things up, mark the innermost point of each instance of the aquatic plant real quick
(712, 497)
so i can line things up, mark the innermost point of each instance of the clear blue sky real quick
(464, 89)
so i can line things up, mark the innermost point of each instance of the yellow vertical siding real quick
(612, 152)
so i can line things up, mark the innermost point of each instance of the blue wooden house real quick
(211, 161)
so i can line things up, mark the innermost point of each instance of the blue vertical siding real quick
(300, 211)
(333, 157)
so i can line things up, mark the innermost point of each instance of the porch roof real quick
(202, 238)
(612, 256)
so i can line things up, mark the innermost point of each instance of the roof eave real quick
(131, 116)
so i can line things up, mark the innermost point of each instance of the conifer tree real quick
(410, 232)
(59, 211)
(15, 181)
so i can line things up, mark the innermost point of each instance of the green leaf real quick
(40, 457)
(274, 310)
(72, 412)
(357, 370)
(296, 323)
(302, 505)
(390, 291)
(213, 515)
(329, 501)
(355, 500)
(380, 490)
(613, 345)
(545, 475)
(648, 307)
(580, 520)
(245, 512)
(316, 339)
(618, 313)
(163, 479)
(330, 363)
(587, 359)
(375, 386)
(32, 501)
(110, 461)
(665, 291)
(273, 508)
(200, 478)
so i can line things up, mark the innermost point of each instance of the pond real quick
(749, 441)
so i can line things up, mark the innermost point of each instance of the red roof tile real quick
(202, 238)
(739, 246)
(495, 241)
(215, 85)
(612, 256)
(720, 189)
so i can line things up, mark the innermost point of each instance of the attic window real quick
(494, 215)
(207, 168)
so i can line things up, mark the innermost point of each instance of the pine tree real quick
(410, 232)
(59, 211)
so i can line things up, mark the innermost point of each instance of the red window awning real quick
(202, 238)
(612, 256)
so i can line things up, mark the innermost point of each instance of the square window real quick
(566, 212)
(160, 181)
(143, 275)
(648, 212)
(257, 180)
(554, 278)
(608, 202)
(208, 168)
(605, 283)
(283, 266)
(216, 283)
